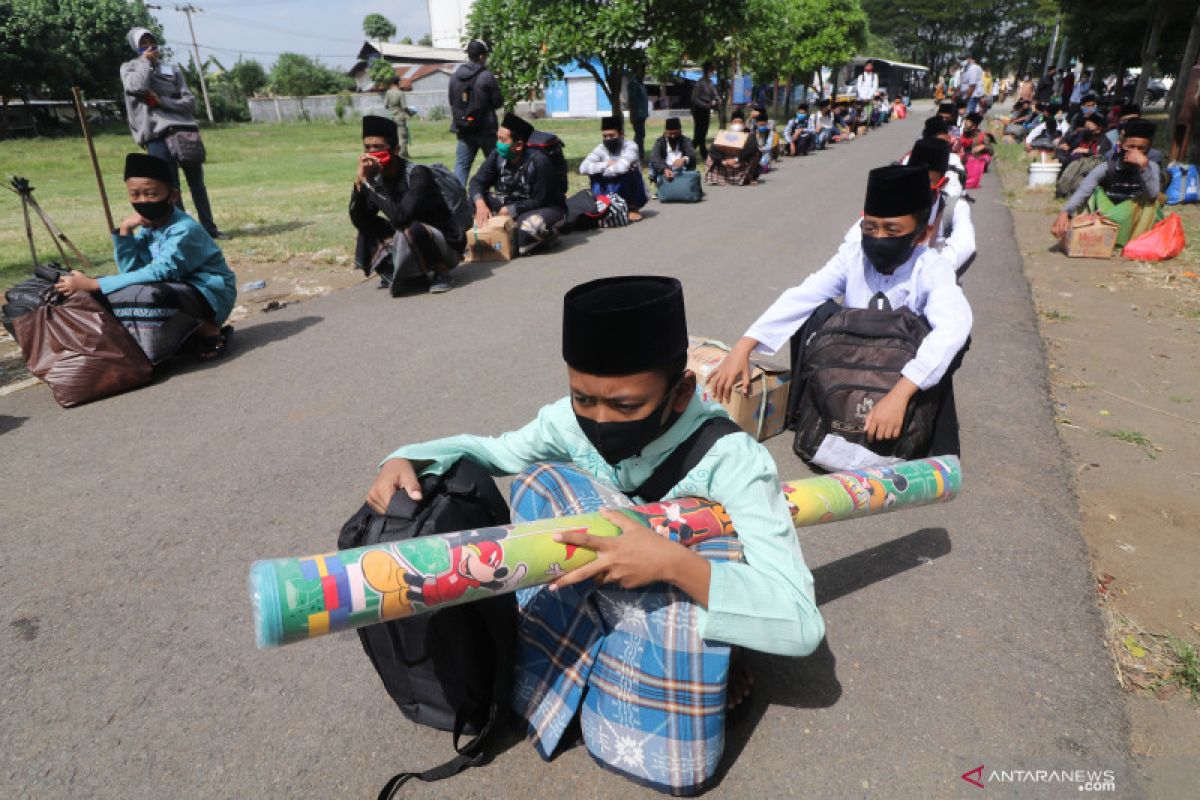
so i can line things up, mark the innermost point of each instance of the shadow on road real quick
(858, 571)
(8, 423)
(812, 682)
(269, 230)
(244, 340)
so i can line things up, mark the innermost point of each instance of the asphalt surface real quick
(959, 635)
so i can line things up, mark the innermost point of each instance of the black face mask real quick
(887, 253)
(153, 211)
(612, 145)
(617, 441)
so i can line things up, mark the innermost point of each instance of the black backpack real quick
(454, 194)
(30, 295)
(466, 107)
(552, 146)
(848, 365)
(450, 669)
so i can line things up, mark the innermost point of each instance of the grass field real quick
(279, 190)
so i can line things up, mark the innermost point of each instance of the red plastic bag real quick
(80, 350)
(1165, 240)
(976, 166)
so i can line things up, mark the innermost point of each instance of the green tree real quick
(426, 40)
(247, 76)
(532, 40)
(27, 37)
(406, 40)
(1114, 36)
(1002, 34)
(299, 76)
(381, 71)
(378, 27)
(48, 46)
(783, 40)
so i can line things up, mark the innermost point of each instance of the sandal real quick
(210, 348)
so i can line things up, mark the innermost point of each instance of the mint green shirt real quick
(766, 603)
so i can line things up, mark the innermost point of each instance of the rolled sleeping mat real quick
(301, 598)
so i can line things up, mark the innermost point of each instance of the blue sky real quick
(262, 28)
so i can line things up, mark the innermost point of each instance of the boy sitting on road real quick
(671, 154)
(734, 170)
(405, 229)
(172, 273)
(798, 135)
(891, 257)
(615, 167)
(649, 618)
(824, 126)
(954, 232)
(1130, 173)
(521, 184)
(937, 128)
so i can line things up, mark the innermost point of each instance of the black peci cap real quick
(932, 154)
(373, 125)
(519, 128)
(894, 191)
(625, 325)
(141, 165)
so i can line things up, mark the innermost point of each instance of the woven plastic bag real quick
(1165, 240)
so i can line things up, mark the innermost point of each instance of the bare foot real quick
(741, 679)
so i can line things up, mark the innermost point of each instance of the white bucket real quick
(1043, 175)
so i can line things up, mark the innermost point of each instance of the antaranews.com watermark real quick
(1087, 780)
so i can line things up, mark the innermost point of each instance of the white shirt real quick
(972, 76)
(954, 238)
(1041, 128)
(673, 154)
(866, 85)
(925, 283)
(596, 162)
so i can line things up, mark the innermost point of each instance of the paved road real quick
(957, 636)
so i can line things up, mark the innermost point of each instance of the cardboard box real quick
(495, 240)
(761, 413)
(730, 143)
(1090, 236)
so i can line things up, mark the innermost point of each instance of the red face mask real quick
(384, 157)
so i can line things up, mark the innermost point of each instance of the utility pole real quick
(189, 10)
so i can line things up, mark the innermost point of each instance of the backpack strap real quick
(471, 753)
(684, 458)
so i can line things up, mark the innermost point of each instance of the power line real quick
(240, 51)
(276, 29)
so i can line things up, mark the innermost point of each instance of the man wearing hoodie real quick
(159, 104)
(474, 97)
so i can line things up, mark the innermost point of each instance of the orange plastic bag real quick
(1165, 240)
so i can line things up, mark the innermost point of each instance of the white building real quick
(448, 22)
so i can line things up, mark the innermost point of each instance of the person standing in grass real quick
(160, 107)
(397, 105)
(474, 97)
(704, 100)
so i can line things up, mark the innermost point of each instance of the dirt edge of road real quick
(1123, 351)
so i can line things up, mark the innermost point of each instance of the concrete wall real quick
(287, 109)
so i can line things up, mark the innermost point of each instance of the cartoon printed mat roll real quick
(300, 598)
